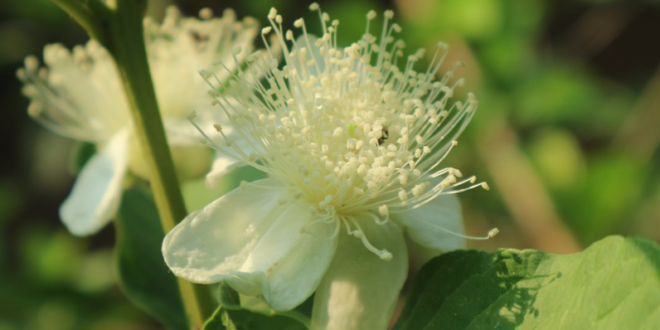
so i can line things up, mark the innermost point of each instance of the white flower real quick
(80, 96)
(352, 146)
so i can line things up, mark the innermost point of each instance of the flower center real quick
(354, 136)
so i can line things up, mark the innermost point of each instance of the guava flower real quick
(79, 95)
(353, 147)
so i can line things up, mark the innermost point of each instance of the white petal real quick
(432, 224)
(207, 118)
(360, 290)
(96, 194)
(254, 243)
(213, 244)
(294, 278)
(222, 164)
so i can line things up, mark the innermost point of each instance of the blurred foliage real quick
(570, 87)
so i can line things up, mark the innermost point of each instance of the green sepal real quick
(230, 316)
(228, 297)
(226, 319)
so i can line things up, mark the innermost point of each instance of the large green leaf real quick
(143, 275)
(614, 284)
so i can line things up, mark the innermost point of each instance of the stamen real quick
(359, 233)
(191, 118)
(326, 219)
(377, 220)
(491, 233)
(383, 210)
(453, 192)
(360, 139)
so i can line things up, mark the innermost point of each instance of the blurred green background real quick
(566, 134)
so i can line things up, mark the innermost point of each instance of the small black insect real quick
(383, 136)
(198, 37)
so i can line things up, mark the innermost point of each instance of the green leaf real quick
(614, 284)
(143, 275)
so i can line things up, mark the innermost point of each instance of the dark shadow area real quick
(476, 290)
(518, 301)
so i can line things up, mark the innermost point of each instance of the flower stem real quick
(131, 57)
(121, 32)
(84, 16)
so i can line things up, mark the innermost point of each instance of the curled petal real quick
(254, 243)
(96, 194)
(222, 164)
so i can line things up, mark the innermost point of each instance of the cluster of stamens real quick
(79, 94)
(352, 135)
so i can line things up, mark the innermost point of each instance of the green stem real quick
(121, 32)
(86, 18)
(131, 57)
